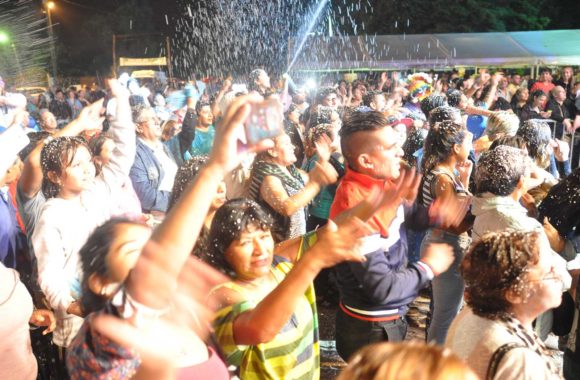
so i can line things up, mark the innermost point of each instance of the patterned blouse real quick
(284, 227)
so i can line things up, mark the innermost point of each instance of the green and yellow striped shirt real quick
(293, 354)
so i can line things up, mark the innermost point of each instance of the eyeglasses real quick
(550, 276)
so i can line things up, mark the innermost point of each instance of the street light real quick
(4, 38)
(49, 7)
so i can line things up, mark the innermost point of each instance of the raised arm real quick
(322, 175)
(30, 181)
(174, 239)
(122, 132)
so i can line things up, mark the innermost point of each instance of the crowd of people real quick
(150, 235)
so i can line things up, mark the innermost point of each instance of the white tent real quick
(368, 53)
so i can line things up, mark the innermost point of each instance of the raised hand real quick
(338, 243)
(90, 118)
(449, 211)
(439, 257)
(117, 89)
(323, 174)
(228, 149)
(323, 148)
(464, 168)
(43, 318)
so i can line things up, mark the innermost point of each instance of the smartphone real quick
(265, 121)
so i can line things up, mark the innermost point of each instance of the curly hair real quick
(499, 170)
(57, 156)
(431, 102)
(439, 143)
(229, 222)
(496, 264)
(537, 135)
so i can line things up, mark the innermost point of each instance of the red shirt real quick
(544, 86)
(355, 187)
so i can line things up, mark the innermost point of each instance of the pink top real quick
(16, 358)
(214, 368)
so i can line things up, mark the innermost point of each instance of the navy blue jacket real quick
(146, 174)
(384, 281)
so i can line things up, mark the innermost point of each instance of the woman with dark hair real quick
(510, 280)
(534, 109)
(267, 323)
(144, 289)
(77, 202)
(446, 171)
(562, 208)
(519, 100)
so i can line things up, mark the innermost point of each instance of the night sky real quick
(84, 27)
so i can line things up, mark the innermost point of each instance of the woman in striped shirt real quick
(446, 174)
(266, 323)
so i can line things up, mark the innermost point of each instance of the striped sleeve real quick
(224, 331)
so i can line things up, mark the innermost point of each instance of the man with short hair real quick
(515, 84)
(375, 100)
(204, 132)
(153, 170)
(545, 82)
(375, 294)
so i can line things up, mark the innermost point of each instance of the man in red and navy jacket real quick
(375, 294)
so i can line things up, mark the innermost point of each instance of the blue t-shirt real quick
(201, 144)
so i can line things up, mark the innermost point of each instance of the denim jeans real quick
(353, 334)
(448, 287)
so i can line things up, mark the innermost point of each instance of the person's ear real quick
(514, 297)
(364, 161)
(521, 183)
(272, 153)
(457, 148)
(53, 177)
(97, 284)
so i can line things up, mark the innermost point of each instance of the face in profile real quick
(383, 160)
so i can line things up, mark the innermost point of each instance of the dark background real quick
(238, 35)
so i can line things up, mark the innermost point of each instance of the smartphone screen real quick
(265, 121)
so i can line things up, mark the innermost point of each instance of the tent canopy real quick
(510, 49)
